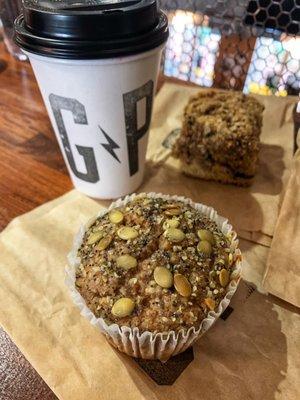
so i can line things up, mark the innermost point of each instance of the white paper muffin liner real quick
(149, 345)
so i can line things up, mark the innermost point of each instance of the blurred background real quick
(247, 45)
(252, 46)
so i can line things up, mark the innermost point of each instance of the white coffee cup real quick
(100, 107)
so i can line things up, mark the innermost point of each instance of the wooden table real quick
(32, 172)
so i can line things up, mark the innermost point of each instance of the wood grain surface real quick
(32, 171)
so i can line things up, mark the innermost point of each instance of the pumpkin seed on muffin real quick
(151, 270)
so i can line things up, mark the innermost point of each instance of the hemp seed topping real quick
(154, 264)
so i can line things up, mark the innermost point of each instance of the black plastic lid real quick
(78, 29)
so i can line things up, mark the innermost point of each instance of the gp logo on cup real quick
(133, 133)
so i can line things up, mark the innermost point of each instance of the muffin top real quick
(154, 264)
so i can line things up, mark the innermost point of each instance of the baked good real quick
(157, 265)
(219, 139)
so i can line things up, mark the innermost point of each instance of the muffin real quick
(154, 272)
(219, 139)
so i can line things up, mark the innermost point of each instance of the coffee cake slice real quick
(219, 139)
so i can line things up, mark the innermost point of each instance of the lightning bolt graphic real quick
(110, 145)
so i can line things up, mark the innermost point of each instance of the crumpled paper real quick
(253, 354)
(282, 276)
(252, 211)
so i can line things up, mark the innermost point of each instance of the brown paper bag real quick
(282, 276)
(253, 211)
(253, 354)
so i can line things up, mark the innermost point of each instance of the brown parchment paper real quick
(253, 354)
(253, 211)
(282, 276)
